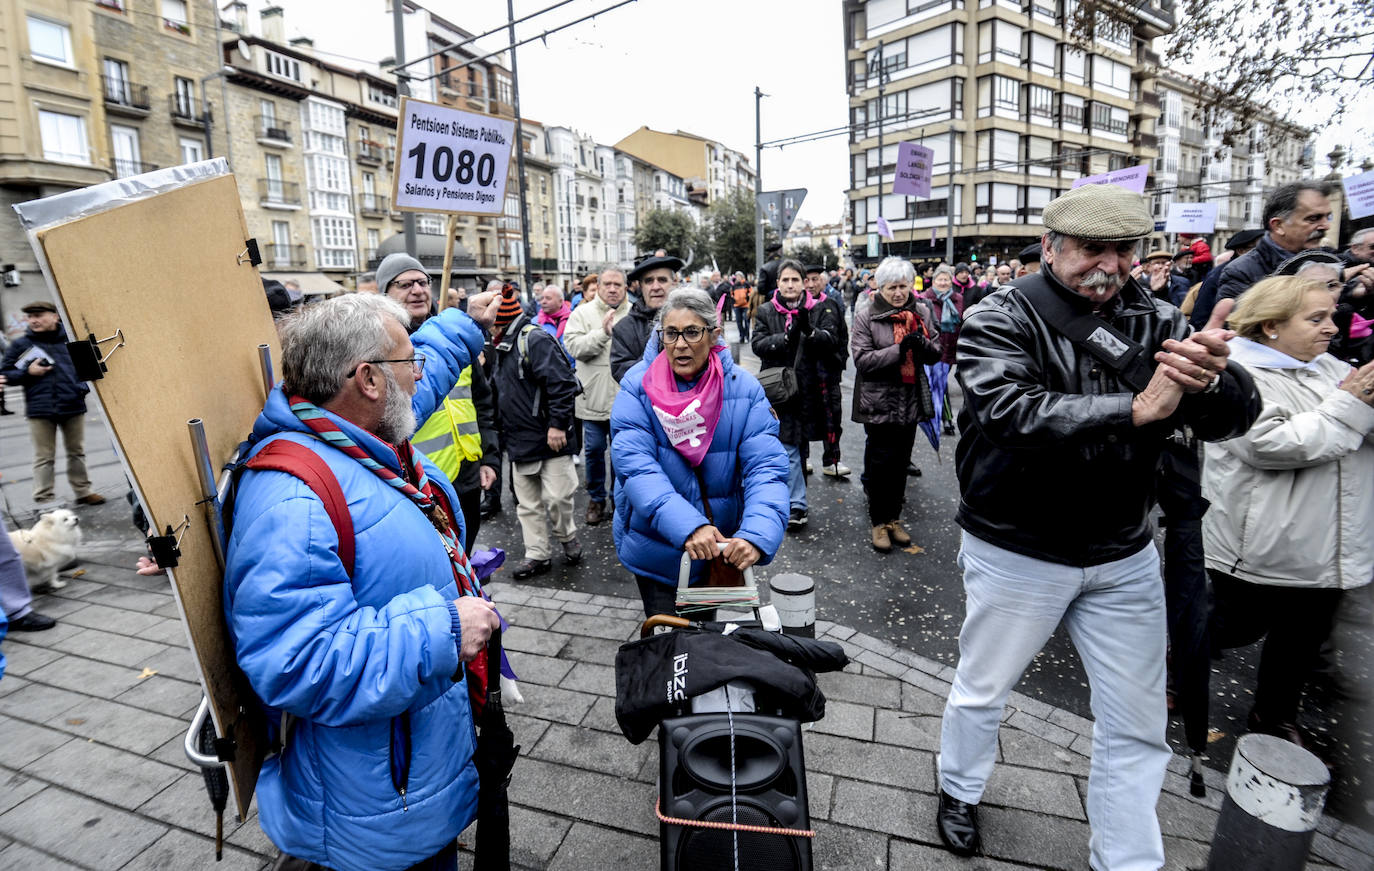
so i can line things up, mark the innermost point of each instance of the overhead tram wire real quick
(471, 39)
(545, 35)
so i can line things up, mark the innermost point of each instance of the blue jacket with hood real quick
(658, 502)
(377, 772)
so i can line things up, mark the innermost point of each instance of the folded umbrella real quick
(495, 758)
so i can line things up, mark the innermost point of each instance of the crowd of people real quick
(1233, 393)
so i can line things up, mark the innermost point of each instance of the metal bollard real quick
(794, 597)
(1275, 793)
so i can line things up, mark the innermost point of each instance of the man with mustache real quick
(1056, 470)
(1296, 217)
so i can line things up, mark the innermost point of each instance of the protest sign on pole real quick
(1197, 218)
(884, 229)
(1359, 193)
(1132, 178)
(913, 170)
(448, 160)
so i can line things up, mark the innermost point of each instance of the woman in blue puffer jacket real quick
(685, 416)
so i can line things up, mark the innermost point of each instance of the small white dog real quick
(47, 547)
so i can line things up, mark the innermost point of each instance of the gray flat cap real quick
(394, 265)
(1102, 212)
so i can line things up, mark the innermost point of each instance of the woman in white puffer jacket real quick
(1291, 523)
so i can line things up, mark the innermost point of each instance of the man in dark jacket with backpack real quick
(54, 399)
(536, 386)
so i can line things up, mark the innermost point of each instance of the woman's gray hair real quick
(694, 301)
(322, 342)
(892, 270)
(943, 269)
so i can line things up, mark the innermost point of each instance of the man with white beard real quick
(1071, 379)
(353, 615)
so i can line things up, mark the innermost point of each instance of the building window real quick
(380, 95)
(184, 94)
(64, 137)
(1071, 115)
(998, 149)
(1072, 64)
(1038, 155)
(334, 243)
(1110, 76)
(997, 203)
(999, 95)
(1113, 33)
(1040, 53)
(174, 16)
(282, 66)
(999, 41)
(118, 88)
(1033, 201)
(192, 151)
(1039, 104)
(112, 5)
(124, 145)
(50, 41)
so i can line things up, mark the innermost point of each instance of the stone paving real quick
(92, 716)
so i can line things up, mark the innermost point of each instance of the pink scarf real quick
(559, 319)
(1360, 327)
(688, 417)
(806, 302)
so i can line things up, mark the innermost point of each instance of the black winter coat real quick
(630, 336)
(57, 394)
(880, 395)
(535, 395)
(1049, 463)
(1249, 269)
(803, 417)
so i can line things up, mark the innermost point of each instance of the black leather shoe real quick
(572, 551)
(489, 506)
(531, 567)
(958, 825)
(32, 622)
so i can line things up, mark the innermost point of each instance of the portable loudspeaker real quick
(769, 777)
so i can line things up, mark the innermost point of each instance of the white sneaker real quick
(838, 470)
(809, 470)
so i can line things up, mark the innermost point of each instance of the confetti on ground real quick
(76, 721)
(1214, 735)
(78, 573)
(147, 672)
(915, 548)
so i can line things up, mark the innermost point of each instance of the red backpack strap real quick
(284, 455)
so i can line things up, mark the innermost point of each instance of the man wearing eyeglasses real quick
(657, 275)
(460, 436)
(366, 653)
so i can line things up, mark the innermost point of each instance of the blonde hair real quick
(1273, 300)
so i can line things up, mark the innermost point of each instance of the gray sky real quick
(669, 64)
(680, 64)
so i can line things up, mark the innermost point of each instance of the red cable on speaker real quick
(740, 827)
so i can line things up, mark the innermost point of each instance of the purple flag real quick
(883, 229)
(913, 170)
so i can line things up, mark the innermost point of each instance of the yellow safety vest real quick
(450, 436)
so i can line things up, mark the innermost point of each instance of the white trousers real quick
(1115, 617)
(539, 486)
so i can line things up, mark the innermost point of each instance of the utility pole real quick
(758, 182)
(519, 143)
(949, 199)
(882, 89)
(403, 89)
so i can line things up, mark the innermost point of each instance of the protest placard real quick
(448, 160)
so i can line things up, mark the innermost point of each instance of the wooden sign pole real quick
(448, 261)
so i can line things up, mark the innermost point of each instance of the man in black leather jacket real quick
(1056, 468)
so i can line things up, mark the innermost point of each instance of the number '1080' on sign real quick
(467, 167)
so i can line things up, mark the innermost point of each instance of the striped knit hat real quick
(510, 309)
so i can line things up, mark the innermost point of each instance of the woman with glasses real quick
(892, 340)
(791, 330)
(696, 455)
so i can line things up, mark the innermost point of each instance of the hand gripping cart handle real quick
(713, 594)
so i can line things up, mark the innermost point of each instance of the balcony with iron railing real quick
(273, 131)
(125, 97)
(373, 205)
(369, 153)
(275, 192)
(186, 111)
(593, 203)
(582, 232)
(284, 256)
(486, 261)
(544, 264)
(124, 168)
(369, 257)
(581, 200)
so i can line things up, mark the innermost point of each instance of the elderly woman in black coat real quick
(791, 330)
(891, 340)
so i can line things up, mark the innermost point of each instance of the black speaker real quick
(769, 786)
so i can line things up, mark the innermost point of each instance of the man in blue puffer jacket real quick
(377, 770)
(744, 466)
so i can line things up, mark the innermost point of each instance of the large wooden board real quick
(166, 271)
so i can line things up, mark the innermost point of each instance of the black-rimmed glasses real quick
(669, 336)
